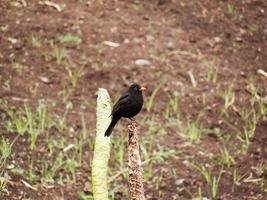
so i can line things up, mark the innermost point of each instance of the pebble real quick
(179, 182)
(142, 62)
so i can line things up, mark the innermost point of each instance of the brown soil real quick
(176, 36)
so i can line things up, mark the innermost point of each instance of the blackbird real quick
(127, 106)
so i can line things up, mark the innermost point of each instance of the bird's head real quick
(136, 88)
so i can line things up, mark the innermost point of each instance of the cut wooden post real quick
(136, 187)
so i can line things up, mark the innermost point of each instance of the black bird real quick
(127, 106)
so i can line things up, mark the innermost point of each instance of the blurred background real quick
(203, 126)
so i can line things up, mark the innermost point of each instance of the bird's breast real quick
(134, 107)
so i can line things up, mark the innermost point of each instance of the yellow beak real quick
(142, 89)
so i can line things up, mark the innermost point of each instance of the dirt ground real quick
(180, 43)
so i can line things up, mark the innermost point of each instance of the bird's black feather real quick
(127, 106)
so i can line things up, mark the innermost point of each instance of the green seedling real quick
(36, 123)
(20, 124)
(263, 109)
(230, 9)
(172, 108)
(163, 156)
(192, 132)
(236, 179)
(149, 103)
(206, 173)
(226, 159)
(70, 166)
(3, 188)
(66, 39)
(18, 171)
(83, 137)
(212, 72)
(36, 42)
(83, 196)
(5, 149)
(74, 75)
(229, 99)
(254, 93)
(60, 122)
(200, 196)
(254, 28)
(33, 132)
(42, 116)
(245, 139)
(248, 132)
(49, 173)
(32, 175)
(212, 181)
(59, 54)
(215, 185)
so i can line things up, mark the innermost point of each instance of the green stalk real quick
(102, 147)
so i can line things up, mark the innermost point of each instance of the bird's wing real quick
(122, 102)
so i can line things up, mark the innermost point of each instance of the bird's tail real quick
(111, 127)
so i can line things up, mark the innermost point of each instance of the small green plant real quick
(230, 9)
(32, 175)
(215, 184)
(263, 109)
(59, 54)
(212, 181)
(36, 122)
(74, 75)
(3, 188)
(36, 42)
(245, 141)
(254, 28)
(192, 132)
(18, 170)
(206, 173)
(226, 159)
(83, 196)
(32, 127)
(149, 103)
(229, 99)
(42, 116)
(83, 137)
(200, 196)
(236, 179)
(163, 156)
(49, 172)
(248, 132)
(20, 123)
(5, 149)
(212, 72)
(172, 108)
(70, 166)
(70, 39)
(60, 122)
(253, 91)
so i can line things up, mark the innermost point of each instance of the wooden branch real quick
(136, 187)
